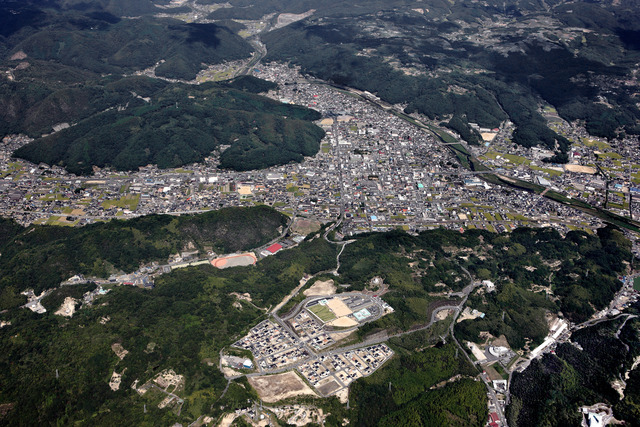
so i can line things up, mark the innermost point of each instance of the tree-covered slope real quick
(40, 257)
(180, 124)
(184, 322)
(69, 65)
(481, 62)
(551, 389)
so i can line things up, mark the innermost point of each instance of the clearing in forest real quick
(272, 388)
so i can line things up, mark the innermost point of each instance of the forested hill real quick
(482, 63)
(191, 314)
(180, 124)
(63, 63)
(82, 44)
(40, 257)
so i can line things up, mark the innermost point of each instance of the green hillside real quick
(41, 257)
(177, 125)
(184, 322)
(453, 67)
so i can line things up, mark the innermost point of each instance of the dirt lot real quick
(580, 169)
(343, 322)
(501, 341)
(337, 336)
(305, 226)
(488, 136)
(227, 420)
(321, 288)
(343, 395)
(272, 388)
(328, 387)
(119, 350)
(492, 373)
(228, 372)
(67, 308)
(338, 307)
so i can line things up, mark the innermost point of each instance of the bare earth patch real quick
(479, 355)
(501, 341)
(67, 308)
(338, 307)
(301, 284)
(305, 226)
(119, 350)
(116, 380)
(18, 56)
(580, 169)
(320, 288)
(227, 420)
(246, 296)
(337, 336)
(343, 322)
(488, 136)
(343, 395)
(272, 388)
(443, 314)
(228, 372)
(327, 386)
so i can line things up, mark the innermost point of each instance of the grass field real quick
(126, 202)
(323, 312)
(636, 283)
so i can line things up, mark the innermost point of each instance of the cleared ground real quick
(343, 322)
(337, 336)
(321, 288)
(272, 388)
(338, 307)
(305, 226)
(328, 387)
(580, 169)
(234, 261)
(488, 136)
(227, 420)
(323, 312)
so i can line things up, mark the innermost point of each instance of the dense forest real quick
(40, 257)
(103, 43)
(550, 389)
(519, 263)
(180, 124)
(70, 65)
(409, 399)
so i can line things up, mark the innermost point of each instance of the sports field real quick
(234, 260)
(323, 312)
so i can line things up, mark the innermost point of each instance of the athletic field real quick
(234, 260)
(323, 312)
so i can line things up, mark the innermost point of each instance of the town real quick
(374, 170)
